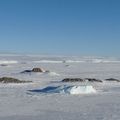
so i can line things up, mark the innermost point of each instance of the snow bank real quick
(78, 61)
(48, 61)
(74, 61)
(67, 90)
(8, 62)
(53, 74)
(59, 61)
(104, 61)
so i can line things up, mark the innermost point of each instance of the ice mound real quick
(53, 74)
(80, 90)
(66, 90)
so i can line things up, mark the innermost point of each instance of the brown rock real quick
(73, 80)
(37, 70)
(12, 80)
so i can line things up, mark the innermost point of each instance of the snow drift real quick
(47, 61)
(104, 61)
(66, 90)
(53, 74)
(8, 62)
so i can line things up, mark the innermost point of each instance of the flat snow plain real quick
(18, 103)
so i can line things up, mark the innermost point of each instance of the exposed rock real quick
(34, 70)
(64, 61)
(67, 65)
(12, 80)
(81, 80)
(93, 80)
(112, 79)
(37, 70)
(47, 71)
(3, 65)
(73, 80)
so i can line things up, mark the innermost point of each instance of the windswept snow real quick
(104, 61)
(71, 101)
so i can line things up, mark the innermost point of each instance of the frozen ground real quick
(18, 103)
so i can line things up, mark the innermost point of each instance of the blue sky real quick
(65, 27)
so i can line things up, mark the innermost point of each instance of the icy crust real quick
(66, 90)
(81, 90)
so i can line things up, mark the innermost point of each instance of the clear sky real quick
(66, 27)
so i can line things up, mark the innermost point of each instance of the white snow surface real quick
(70, 101)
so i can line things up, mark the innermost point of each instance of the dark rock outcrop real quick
(93, 80)
(81, 80)
(3, 65)
(26, 71)
(37, 70)
(47, 71)
(73, 80)
(33, 70)
(112, 79)
(12, 80)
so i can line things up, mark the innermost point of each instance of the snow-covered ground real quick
(18, 102)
